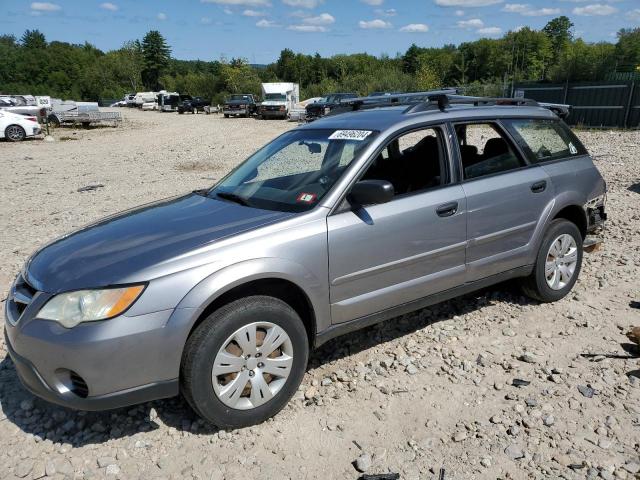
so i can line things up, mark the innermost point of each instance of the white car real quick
(16, 127)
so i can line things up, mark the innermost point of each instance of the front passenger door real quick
(381, 256)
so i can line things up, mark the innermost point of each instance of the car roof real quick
(385, 118)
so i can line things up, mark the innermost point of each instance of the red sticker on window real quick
(307, 197)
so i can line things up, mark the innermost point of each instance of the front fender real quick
(225, 279)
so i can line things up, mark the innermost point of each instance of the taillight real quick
(33, 119)
(282, 108)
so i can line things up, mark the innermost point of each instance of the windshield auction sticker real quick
(358, 135)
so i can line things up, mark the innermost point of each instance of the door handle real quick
(539, 186)
(447, 209)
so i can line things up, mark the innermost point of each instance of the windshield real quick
(295, 171)
(239, 97)
(275, 96)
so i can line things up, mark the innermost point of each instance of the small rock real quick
(485, 462)
(528, 357)
(412, 369)
(586, 391)
(604, 443)
(364, 462)
(514, 452)
(548, 420)
(507, 332)
(632, 467)
(459, 436)
(310, 393)
(24, 468)
(513, 430)
(113, 470)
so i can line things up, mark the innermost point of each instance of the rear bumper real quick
(34, 383)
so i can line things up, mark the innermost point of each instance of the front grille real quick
(21, 296)
(78, 385)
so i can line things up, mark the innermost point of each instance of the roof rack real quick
(441, 100)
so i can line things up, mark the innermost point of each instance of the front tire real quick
(244, 362)
(558, 263)
(14, 133)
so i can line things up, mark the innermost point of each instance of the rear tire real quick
(558, 263)
(246, 392)
(14, 133)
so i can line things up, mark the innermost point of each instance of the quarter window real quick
(484, 150)
(544, 139)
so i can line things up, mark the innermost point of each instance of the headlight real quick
(70, 309)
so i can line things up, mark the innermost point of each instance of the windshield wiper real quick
(233, 198)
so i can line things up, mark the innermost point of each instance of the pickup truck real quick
(243, 105)
(326, 104)
(193, 105)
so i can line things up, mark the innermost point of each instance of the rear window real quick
(545, 140)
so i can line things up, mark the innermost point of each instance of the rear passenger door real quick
(506, 199)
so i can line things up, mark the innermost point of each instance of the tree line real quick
(32, 65)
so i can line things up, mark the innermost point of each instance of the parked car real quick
(15, 127)
(243, 105)
(326, 104)
(194, 105)
(356, 218)
(17, 104)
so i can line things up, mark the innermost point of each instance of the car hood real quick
(237, 102)
(273, 103)
(114, 249)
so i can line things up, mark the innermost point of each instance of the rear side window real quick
(545, 140)
(484, 150)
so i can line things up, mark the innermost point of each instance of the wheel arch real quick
(574, 214)
(272, 286)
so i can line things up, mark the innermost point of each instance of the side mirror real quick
(371, 192)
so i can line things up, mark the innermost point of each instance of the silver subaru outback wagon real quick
(333, 226)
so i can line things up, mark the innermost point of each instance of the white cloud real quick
(307, 28)
(389, 12)
(374, 24)
(467, 3)
(264, 23)
(459, 13)
(109, 6)
(528, 11)
(253, 13)
(490, 31)
(596, 9)
(45, 7)
(415, 28)
(240, 3)
(473, 23)
(206, 21)
(227, 11)
(375, 3)
(161, 16)
(322, 19)
(303, 3)
(634, 15)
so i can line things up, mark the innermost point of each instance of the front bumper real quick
(95, 365)
(235, 111)
(34, 383)
(273, 113)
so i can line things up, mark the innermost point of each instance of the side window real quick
(412, 162)
(484, 150)
(545, 139)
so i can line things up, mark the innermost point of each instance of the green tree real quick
(559, 32)
(156, 54)
(33, 39)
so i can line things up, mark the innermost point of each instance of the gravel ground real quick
(428, 391)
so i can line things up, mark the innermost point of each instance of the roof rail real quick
(441, 100)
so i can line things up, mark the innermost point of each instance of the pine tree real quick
(156, 54)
